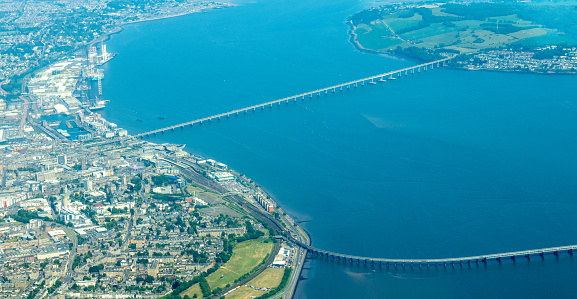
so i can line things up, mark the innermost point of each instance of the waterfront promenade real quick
(392, 75)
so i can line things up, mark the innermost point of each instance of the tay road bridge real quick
(381, 78)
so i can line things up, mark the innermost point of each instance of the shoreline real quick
(289, 290)
(221, 5)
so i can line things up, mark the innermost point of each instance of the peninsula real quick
(487, 36)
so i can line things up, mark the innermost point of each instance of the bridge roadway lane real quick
(425, 66)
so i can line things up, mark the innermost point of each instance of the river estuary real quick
(440, 164)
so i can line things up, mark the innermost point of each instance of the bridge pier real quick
(362, 83)
(310, 95)
(355, 85)
(570, 251)
(406, 73)
(318, 94)
(541, 254)
(334, 90)
(341, 88)
(556, 253)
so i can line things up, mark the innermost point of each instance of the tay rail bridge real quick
(381, 78)
(434, 263)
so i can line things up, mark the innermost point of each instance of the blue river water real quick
(440, 164)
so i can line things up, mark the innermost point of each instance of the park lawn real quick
(245, 256)
(245, 292)
(431, 30)
(195, 289)
(269, 278)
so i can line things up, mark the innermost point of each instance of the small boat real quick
(161, 118)
(139, 120)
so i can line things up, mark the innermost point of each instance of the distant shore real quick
(180, 14)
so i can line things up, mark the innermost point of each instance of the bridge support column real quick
(570, 251)
(341, 88)
(334, 90)
(355, 85)
(541, 254)
(406, 73)
(556, 253)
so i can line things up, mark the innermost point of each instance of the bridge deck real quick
(294, 97)
(479, 258)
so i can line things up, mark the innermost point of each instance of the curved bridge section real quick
(332, 89)
(468, 260)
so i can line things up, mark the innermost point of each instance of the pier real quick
(434, 263)
(392, 75)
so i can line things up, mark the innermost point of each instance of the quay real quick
(332, 89)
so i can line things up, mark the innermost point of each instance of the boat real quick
(161, 118)
(139, 120)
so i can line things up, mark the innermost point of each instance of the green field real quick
(466, 28)
(245, 257)
(269, 278)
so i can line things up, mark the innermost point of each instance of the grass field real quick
(269, 278)
(397, 23)
(468, 35)
(376, 38)
(245, 257)
(529, 33)
(431, 30)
